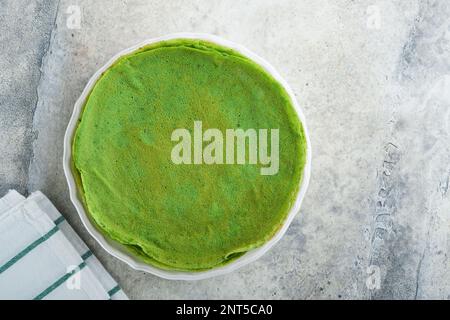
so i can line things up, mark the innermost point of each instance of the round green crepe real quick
(184, 217)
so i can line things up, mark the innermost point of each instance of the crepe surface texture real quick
(188, 217)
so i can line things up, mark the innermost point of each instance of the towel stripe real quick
(59, 220)
(22, 253)
(86, 255)
(33, 245)
(114, 290)
(60, 281)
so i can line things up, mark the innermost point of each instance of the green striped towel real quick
(41, 256)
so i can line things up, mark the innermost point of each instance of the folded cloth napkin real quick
(41, 256)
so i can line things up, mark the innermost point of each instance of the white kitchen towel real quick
(41, 256)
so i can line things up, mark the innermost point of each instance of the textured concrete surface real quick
(373, 78)
(24, 39)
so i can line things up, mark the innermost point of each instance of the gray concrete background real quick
(373, 78)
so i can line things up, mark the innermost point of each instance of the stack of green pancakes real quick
(188, 217)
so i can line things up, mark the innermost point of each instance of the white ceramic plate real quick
(119, 251)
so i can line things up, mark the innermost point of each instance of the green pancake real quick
(189, 217)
